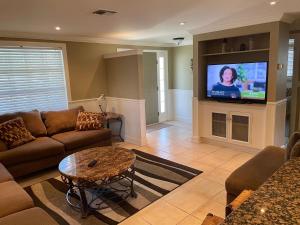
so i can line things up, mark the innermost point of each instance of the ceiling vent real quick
(104, 12)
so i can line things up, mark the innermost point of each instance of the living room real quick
(115, 114)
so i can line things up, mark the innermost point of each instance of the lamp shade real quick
(102, 103)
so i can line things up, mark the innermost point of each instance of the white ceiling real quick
(153, 22)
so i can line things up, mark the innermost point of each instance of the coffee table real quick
(114, 166)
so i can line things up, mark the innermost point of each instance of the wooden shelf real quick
(237, 52)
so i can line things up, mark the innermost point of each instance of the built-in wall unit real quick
(252, 115)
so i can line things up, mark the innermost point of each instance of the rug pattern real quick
(154, 178)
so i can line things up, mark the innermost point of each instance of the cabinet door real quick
(240, 127)
(219, 125)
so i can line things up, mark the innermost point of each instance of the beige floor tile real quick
(162, 213)
(134, 220)
(190, 220)
(186, 200)
(218, 175)
(220, 198)
(211, 207)
(237, 161)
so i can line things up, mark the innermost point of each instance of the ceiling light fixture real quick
(57, 28)
(182, 23)
(179, 40)
(273, 3)
(105, 12)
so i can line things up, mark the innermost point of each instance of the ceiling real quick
(153, 22)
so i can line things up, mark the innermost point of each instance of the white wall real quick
(180, 105)
(132, 110)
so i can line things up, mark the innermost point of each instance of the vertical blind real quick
(32, 78)
(290, 58)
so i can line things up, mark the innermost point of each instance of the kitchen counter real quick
(276, 202)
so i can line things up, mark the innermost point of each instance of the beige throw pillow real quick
(14, 133)
(90, 121)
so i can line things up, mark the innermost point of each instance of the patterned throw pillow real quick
(14, 133)
(90, 121)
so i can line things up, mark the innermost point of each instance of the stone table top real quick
(111, 161)
(277, 201)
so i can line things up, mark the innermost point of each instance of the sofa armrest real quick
(295, 137)
(254, 172)
(4, 174)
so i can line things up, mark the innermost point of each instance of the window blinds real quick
(290, 58)
(32, 78)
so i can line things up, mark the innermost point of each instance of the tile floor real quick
(189, 204)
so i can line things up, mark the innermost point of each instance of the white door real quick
(162, 84)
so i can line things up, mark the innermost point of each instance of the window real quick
(290, 65)
(32, 78)
(162, 98)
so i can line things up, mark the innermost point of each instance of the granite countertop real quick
(276, 202)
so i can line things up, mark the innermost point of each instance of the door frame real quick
(164, 53)
(295, 112)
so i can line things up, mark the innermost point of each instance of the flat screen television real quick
(237, 82)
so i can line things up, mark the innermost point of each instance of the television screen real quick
(242, 81)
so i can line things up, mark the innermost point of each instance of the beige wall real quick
(87, 69)
(182, 74)
(125, 77)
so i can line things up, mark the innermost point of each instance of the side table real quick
(112, 117)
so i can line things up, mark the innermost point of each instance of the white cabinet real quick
(231, 126)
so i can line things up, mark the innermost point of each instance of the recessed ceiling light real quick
(182, 23)
(273, 2)
(57, 28)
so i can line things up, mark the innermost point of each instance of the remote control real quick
(92, 163)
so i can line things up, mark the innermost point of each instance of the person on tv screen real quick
(226, 88)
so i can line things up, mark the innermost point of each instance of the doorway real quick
(155, 86)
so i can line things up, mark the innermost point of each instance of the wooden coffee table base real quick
(101, 191)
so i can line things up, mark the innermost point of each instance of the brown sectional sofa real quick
(55, 137)
(16, 206)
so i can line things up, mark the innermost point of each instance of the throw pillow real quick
(89, 121)
(14, 133)
(61, 121)
(34, 123)
(32, 120)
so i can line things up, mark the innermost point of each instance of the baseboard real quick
(228, 145)
(196, 139)
(183, 119)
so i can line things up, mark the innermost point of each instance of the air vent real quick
(104, 12)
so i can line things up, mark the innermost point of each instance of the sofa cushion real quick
(41, 147)
(13, 198)
(32, 216)
(33, 121)
(14, 133)
(3, 146)
(5, 175)
(61, 121)
(90, 121)
(78, 139)
(256, 171)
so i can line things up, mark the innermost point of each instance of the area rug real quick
(155, 177)
(158, 126)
